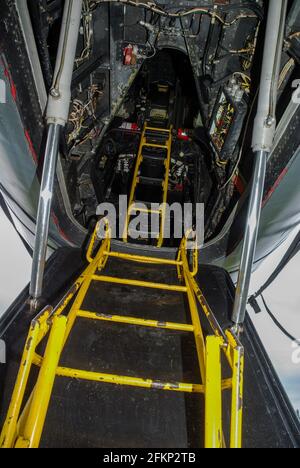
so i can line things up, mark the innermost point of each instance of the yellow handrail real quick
(25, 429)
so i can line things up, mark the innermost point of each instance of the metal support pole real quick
(44, 209)
(57, 116)
(263, 138)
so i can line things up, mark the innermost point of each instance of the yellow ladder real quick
(25, 421)
(152, 134)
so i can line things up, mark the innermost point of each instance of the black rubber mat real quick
(124, 416)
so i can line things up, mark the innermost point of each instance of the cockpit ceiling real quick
(116, 37)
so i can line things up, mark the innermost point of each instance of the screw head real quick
(270, 121)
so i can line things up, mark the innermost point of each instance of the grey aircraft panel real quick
(18, 162)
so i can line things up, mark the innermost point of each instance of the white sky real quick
(283, 298)
(15, 264)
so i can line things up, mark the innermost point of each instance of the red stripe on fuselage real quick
(277, 183)
(13, 88)
(31, 148)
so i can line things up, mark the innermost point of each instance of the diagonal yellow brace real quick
(10, 427)
(42, 393)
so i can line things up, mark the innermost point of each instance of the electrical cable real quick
(294, 35)
(277, 323)
(284, 72)
(290, 254)
(152, 6)
(223, 187)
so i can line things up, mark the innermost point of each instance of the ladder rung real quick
(129, 381)
(153, 129)
(154, 145)
(150, 181)
(139, 258)
(141, 284)
(144, 234)
(143, 210)
(136, 321)
(154, 157)
(144, 202)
